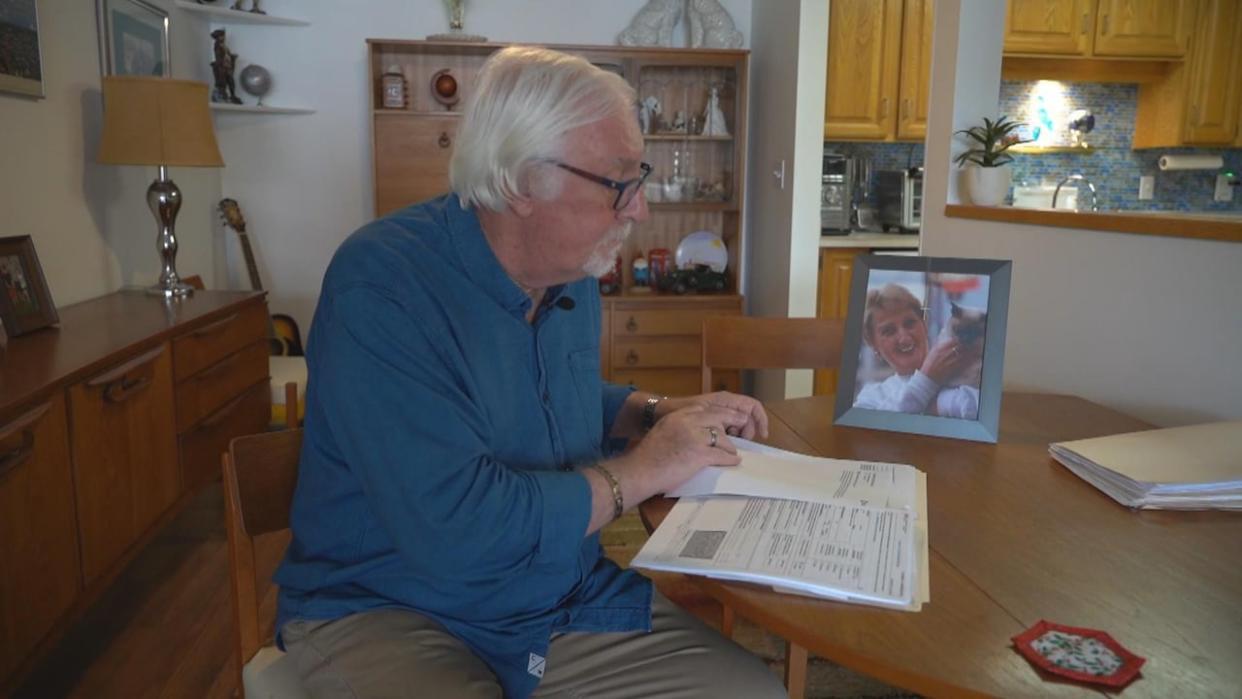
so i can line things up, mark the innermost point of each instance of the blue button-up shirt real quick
(441, 434)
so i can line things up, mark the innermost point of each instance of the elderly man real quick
(455, 469)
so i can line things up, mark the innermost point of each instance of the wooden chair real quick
(260, 472)
(748, 342)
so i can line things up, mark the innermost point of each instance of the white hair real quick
(525, 102)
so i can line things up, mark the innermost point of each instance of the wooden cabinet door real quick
(1213, 92)
(864, 39)
(38, 538)
(124, 455)
(1053, 27)
(836, 271)
(411, 159)
(1143, 28)
(916, 44)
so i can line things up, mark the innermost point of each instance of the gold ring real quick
(714, 435)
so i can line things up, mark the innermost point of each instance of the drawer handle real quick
(214, 327)
(123, 388)
(223, 413)
(12, 459)
(631, 357)
(126, 368)
(19, 455)
(632, 324)
(444, 141)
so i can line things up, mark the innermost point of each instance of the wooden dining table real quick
(1015, 538)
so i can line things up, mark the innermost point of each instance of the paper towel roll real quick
(1191, 162)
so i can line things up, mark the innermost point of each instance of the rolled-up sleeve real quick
(402, 416)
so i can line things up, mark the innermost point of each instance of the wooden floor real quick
(164, 629)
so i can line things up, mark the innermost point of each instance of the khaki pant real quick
(399, 653)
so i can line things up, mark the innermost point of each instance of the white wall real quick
(788, 69)
(1144, 324)
(305, 181)
(91, 226)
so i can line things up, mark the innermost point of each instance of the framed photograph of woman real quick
(21, 61)
(133, 38)
(25, 304)
(924, 346)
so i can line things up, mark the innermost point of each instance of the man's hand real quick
(678, 447)
(743, 416)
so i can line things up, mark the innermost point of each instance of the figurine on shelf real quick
(254, 6)
(653, 25)
(679, 122)
(713, 116)
(457, 24)
(711, 26)
(610, 283)
(649, 114)
(222, 71)
(640, 271)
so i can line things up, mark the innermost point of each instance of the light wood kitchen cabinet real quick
(648, 338)
(1198, 103)
(1143, 28)
(124, 441)
(38, 533)
(1099, 28)
(879, 63)
(916, 54)
(1049, 27)
(836, 269)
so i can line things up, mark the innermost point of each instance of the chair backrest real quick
(749, 342)
(260, 473)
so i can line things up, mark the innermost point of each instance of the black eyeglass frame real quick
(620, 187)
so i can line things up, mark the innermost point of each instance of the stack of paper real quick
(846, 530)
(1198, 467)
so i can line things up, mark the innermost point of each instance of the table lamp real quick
(162, 122)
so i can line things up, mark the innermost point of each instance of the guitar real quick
(284, 337)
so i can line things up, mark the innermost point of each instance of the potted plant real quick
(988, 181)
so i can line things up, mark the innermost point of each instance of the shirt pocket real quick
(588, 385)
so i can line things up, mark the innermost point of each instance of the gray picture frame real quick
(133, 38)
(21, 71)
(985, 426)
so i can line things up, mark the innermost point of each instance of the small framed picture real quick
(25, 304)
(924, 346)
(133, 38)
(21, 61)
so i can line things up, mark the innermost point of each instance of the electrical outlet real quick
(1224, 192)
(1147, 187)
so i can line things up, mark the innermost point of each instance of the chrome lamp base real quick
(164, 198)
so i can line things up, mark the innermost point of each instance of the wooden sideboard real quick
(107, 425)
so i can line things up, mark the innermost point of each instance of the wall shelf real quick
(222, 13)
(255, 109)
(1039, 150)
(684, 137)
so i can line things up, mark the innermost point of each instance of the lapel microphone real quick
(565, 303)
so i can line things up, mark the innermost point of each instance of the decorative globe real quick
(256, 80)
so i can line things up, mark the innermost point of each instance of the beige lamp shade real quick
(157, 121)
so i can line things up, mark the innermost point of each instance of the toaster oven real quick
(899, 196)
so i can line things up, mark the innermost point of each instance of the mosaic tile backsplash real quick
(1113, 167)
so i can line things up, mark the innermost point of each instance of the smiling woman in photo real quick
(895, 328)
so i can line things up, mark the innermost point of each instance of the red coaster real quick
(1086, 655)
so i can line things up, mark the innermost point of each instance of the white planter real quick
(988, 186)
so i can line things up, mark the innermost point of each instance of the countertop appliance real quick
(899, 194)
(836, 194)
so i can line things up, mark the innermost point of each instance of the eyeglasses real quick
(626, 190)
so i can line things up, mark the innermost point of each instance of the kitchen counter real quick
(1205, 225)
(870, 239)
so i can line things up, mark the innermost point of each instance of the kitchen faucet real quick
(1094, 202)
